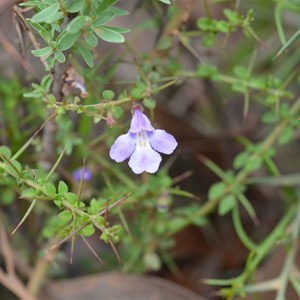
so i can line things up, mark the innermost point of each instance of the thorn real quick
(91, 249)
(25, 216)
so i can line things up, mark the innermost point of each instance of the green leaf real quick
(207, 71)
(239, 86)
(200, 222)
(77, 24)
(104, 5)
(240, 160)
(62, 187)
(46, 13)
(46, 83)
(118, 29)
(14, 166)
(176, 224)
(223, 26)
(60, 56)
(34, 94)
(74, 6)
(28, 193)
(66, 40)
(149, 103)
(32, 3)
(119, 11)
(7, 196)
(207, 24)
(269, 117)
(91, 40)
(152, 261)
(42, 52)
(165, 1)
(240, 71)
(286, 136)
(87, 55)
(70, 197)
(104, 237)
(208, 40)
(48, 232)
(226, 205)
(40, 29)
(108, 94)
(49, 190)
(94, 207)
(164, 43)
(65, 216)
(253, 163)
(216, 190)
(138, 91)
(104, 18)
(117, 112)
(87, 230)
(57, 200)
(232, 16)
(109, 35)
(54, 18)
(5, 151)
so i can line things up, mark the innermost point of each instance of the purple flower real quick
(142, 144)
(87, 174)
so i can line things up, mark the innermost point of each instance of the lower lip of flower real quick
(142, 139)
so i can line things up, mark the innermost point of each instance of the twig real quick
(6, 252)
(40, 270)
(9, 279)
(102, 212)
(19, 15)
(20, 151)
(15, 285)
(7, 45)
(48, 139)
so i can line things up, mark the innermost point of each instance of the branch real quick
(15, 285)
(9, 279)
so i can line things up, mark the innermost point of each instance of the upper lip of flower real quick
(139, 122)
(142, 144)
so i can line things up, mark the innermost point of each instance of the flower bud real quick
(110, 121)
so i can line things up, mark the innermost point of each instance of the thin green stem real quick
(269, 141)
(265, 286)
(256, 257)
(56, 164)
(25, 146)
(285, 273)
(103, 105)
(33, 203)
(240, 230)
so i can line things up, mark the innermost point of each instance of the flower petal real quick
(162, 141)
(140, 122)
(144, 159)
(123, 147)
(87, 174)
